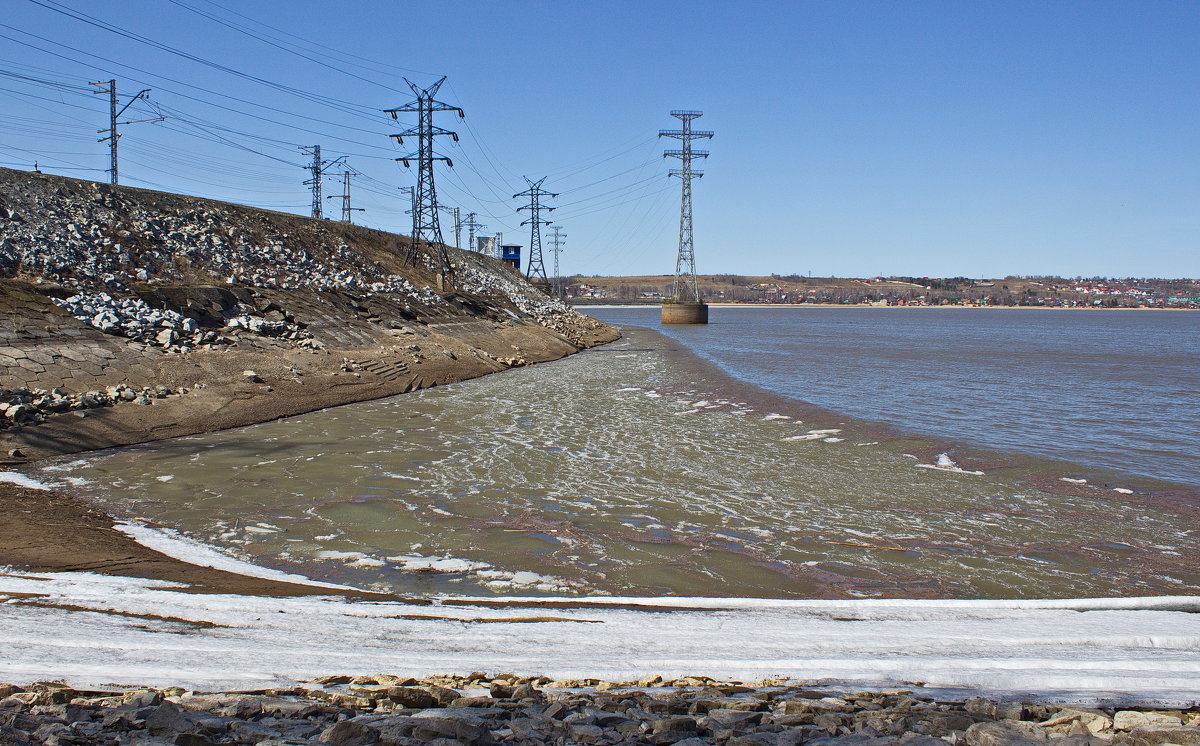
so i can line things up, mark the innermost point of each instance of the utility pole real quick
(426, 226)
(472, 225)
(345, 195)
(685, 290)
(412, 209)
(556, 243)
(318, 168)
(110, 87)
(536, 268)
(454, 211)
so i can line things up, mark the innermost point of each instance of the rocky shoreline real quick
(506, 709)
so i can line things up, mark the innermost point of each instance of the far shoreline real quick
(581, 306)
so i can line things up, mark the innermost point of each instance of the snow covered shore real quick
(89, 630)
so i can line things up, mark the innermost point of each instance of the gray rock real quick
(349, 733)
(1130, 719)
(1153, 735)
(1006, 733)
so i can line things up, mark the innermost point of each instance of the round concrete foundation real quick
(685, 313)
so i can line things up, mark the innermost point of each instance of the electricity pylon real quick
(537, 267)
(685, 290)
(110, 87)
(426, 226)
(317, 168)
(556, 244)
(472, 225)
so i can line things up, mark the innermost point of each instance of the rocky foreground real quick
(481, 709)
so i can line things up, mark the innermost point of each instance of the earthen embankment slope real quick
(184, 315)
(128, 315)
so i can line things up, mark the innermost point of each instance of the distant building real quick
(510, 254)
(486, 245)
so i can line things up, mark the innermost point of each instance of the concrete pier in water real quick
(684, 313)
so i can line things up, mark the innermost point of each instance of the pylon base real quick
(684, 313)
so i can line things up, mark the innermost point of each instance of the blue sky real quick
(852, 138)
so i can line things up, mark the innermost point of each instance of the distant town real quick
(1059, 292)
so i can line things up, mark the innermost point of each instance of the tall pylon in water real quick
(684, 306)
(427, 228)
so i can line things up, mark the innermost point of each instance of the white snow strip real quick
(1123, 490)
(776, 416)
(1072, 481)
(1143, 649)
(19, 479)
(180, 547)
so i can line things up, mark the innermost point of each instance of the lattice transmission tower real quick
(472, 224)
(536, 268)
(556, 243)
(317, 167)
(427, 229)
(685, 290)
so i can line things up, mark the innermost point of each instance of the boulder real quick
(1006, 733)
(1130, 719)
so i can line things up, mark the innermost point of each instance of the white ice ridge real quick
(13, 477)
(1145, 649)
(183, 548)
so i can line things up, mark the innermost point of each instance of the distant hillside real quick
(1008, 291)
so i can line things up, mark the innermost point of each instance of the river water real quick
(1116, 389)
(642, 468)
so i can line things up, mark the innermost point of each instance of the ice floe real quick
(945, 463)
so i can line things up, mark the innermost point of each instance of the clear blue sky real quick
(852, 138)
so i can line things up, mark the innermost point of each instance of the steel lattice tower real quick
(427, 228)
(537, 267)
(556, 244)
(685, 290)
(472, 225)
(318, 168)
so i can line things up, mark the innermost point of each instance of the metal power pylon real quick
(110, 87)
(426, 226)
(317, 168)
(556, 244)
(472, 225)
(685, 290)
(345, 195)
(536, 268)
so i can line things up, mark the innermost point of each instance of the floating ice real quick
(418, 563)
(945, 463)
(1072, 481)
